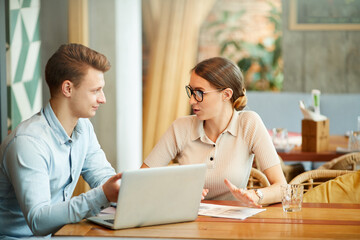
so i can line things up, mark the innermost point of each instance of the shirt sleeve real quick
(170, 144)
(27, 167)
(259, 140)
(96, 169)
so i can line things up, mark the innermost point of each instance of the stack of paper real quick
(214, 210)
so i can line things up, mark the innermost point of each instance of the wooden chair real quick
(257, 179)
(350, 161)
(313, 178)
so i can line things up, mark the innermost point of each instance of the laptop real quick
(153, 196)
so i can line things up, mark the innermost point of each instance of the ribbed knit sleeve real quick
(171, 143)
(258, 139)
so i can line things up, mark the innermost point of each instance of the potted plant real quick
(260, 62)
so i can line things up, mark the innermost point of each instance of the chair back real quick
(290, 171)
(257, 179)
(343, 189)
(350, 161)
(313, 178)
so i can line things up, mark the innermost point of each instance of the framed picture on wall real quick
(324, 15)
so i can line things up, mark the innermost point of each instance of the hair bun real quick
(240, 103)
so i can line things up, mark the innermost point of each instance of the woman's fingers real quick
(231, 186)
(204, 193)
(242, 195)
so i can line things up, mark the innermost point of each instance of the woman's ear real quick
(66, 88)
(227, 94)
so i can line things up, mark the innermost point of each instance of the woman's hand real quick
(111, 188)
(204, 193)
(247, 198)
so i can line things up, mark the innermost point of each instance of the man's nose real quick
(102, 98)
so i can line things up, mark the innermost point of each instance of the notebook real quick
(152, 196)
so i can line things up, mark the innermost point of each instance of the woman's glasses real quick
(198, 94)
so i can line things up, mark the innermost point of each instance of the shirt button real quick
(214, 145)
(211, 158)
(70, 141)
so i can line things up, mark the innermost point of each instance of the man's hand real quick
(247, 198)
(111, 188)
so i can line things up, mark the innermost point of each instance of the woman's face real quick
(212, 103)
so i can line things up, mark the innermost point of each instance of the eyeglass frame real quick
(192, 92)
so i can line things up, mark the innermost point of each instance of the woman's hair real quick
(223, 73)
(71, 62)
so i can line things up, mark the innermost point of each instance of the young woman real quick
(222, 135)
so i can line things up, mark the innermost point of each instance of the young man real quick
(42, 159)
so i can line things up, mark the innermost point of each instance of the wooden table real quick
(297, 155)
(320, 221)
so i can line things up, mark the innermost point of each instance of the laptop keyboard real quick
(109, 221)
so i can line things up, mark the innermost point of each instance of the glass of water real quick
(280, 138)
(292, 197)
(354, 141)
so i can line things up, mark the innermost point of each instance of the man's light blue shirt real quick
(39, 168)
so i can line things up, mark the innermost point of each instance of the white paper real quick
(310, 114)
(223, 211)
(109, 210)
(345, 150)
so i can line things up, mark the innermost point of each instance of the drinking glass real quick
(280, 138)
(354, 141)
(291, 197)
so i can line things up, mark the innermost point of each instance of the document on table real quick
(223, 211)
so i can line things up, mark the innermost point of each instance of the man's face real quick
(88, 95)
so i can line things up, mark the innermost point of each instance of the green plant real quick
(260, 62)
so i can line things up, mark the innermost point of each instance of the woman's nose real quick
(192, 100)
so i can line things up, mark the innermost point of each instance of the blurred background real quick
(284, 48)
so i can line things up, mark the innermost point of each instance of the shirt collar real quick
(56, 126)
(198, 127)
(233, 126)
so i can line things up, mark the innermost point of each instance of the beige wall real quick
(102, 39)
(53, 32)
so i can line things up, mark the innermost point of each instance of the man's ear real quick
(67, 88)
(227, 94)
